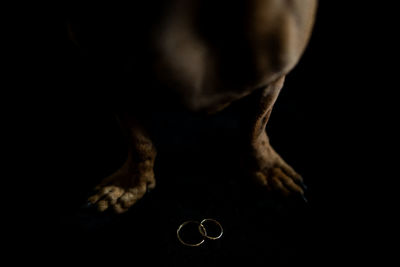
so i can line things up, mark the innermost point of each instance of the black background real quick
(322, 124)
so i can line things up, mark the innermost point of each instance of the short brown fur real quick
(208, 54)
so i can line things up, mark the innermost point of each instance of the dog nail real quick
(305, 199)
(303, 185)
(87, 205)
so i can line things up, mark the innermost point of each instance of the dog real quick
(202, 55)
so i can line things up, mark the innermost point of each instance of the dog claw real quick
(87, 205)
(304, 186)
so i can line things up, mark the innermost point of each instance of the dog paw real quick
(121, 190)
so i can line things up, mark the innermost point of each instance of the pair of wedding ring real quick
(202, 230)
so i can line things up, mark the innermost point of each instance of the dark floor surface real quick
(198, 176)
(259, 228)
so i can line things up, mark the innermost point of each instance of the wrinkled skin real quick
(206, 54)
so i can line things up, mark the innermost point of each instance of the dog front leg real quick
(126, 186)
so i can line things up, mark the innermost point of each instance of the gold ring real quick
(205, 232)
(202, 230)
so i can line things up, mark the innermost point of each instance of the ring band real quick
(201, 230)
(205, 232)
